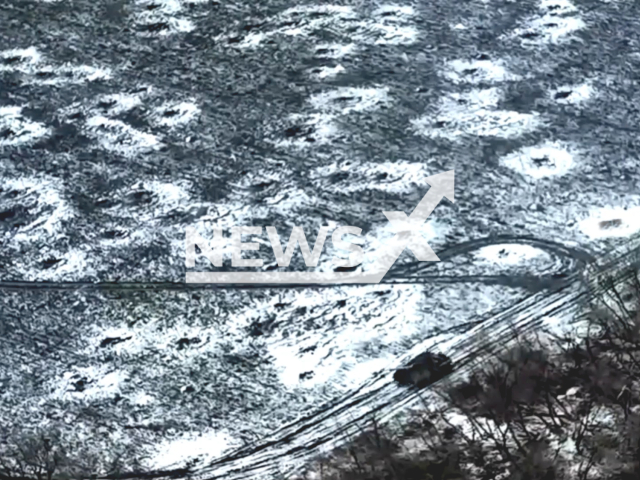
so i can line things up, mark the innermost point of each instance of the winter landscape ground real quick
(124, 122)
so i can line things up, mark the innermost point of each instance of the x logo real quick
(408, 232)
(408, 228)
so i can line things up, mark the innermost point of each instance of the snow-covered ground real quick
(121, 126)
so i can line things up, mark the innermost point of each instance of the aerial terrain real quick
(124, 122)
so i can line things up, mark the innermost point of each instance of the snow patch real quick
(89, 383)
(510, 254)
(390, 25)
(118, 103)
(345, 100)
(204, 447)
(612, 222)
(70, 265)
(20, 59)
(333, 357)
(572, 95)
(475, 113)
(557, 7)
(335, 50)
(320, 129)
(16, 129)
(324, 72)
(393, 25)
(553, 26)
(478, 71)
(541, 161)
(45, 198)
(395, 177)
(174, 114)
(30, 62)
(161, 17)
(117, 136)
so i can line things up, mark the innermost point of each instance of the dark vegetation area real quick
(550, 407)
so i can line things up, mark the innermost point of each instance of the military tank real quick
(423, 370)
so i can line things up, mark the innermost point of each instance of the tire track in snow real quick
(381, 397)
(479, 80)
(475, 113)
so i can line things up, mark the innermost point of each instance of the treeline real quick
(551, 407)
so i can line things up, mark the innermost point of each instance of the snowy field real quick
(124, 122)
